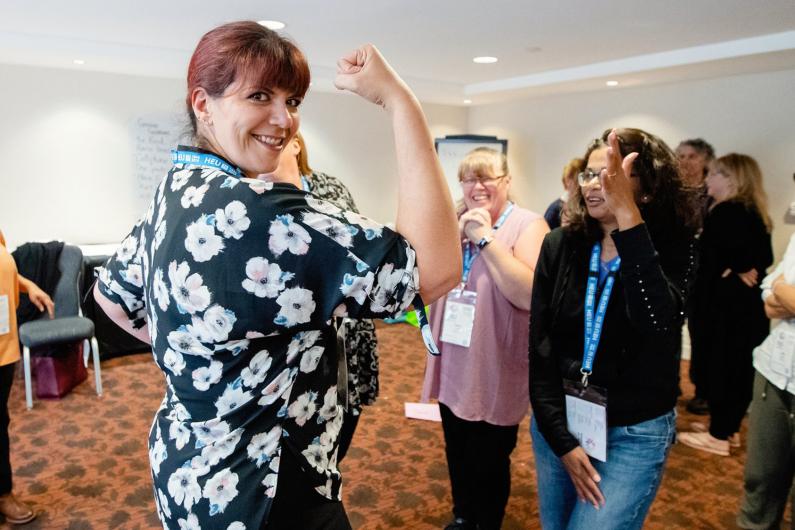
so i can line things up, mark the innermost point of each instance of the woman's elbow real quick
(439, 285)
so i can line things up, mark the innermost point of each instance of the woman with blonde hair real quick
(729, 319)
(480, 379)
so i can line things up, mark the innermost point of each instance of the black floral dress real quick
(361, 344)
(238, 281)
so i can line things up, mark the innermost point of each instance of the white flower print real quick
(178, 412)
(341, 311)
(194, 196)
(188, 290)
(161, 291)
(331, 227)
(220, 490)
(184, 488)
(259, 186)
(254, 335)
(329, 408)
(202, 241)
(237, 525)
(285, 234)
(164, 507)
(310, 359)
(180, 178)
(151, 323)
(257, 370)
(180, 433)
(277, 387)
(232, 220)
(301, 341)
(371, 228)
(297, 307)
(322, 206)
(325, 490)
(234, 346)
(265, 280)
(264, 446)
(303, 408)
(388, 280)
(160, 235)
(233, 398)
(357, 287)
(209, 174)
(191, 523)
(221, 449)
(183, 342)
(157, 454)
(210, 431)
(317, 457)
(173, 361)
(269, 482)
(127, 249)
(206, 376)
(215, 325)
(133, 275)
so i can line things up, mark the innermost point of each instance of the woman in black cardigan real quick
(729, 319)
(631, 241)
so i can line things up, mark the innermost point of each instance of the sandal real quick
(14, 511)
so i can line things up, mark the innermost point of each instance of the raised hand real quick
(475, 224)
(617, 186)
(365, 72)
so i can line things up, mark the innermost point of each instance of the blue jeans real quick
(636, 456)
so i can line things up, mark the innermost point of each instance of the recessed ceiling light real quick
(467, 101)
(272, 24)
(612, 83)
(485, 59)
(78, 61)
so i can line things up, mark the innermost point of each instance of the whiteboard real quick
(153, 138)
(451, 150)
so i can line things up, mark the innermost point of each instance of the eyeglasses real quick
(486, 181)
(586, 177)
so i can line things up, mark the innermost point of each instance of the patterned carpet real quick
(82, 460)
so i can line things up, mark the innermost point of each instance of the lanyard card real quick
(5, 317)
(459, 317)
(586, 417)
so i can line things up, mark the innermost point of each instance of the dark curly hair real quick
(671, 206)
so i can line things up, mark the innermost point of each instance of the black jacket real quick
(637, 360)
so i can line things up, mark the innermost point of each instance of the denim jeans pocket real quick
(661, 428)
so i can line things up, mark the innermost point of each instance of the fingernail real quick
(597, 478)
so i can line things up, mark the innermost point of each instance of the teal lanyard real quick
(469, 255)
(595, 322)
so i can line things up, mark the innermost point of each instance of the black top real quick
(637, 360)
(552, 215)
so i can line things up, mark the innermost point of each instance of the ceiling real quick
(543, 47)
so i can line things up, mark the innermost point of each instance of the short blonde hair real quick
(482, 160)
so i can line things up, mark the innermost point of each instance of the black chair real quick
(68, 325)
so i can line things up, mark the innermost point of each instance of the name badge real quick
(459, 317)
(586, 417)
(5, 319)
(781, 354)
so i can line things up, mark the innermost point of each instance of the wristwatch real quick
(485, 240)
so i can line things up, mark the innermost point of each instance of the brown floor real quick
(82, 461)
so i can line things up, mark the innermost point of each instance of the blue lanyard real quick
(305, 183)
(205, 160)
(593, 324)
(469, 255)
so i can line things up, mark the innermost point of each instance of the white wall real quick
(751, 114)
(67, 147)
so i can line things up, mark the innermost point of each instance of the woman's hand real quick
(750, 277)
(365, 72)
(475, 224)
(584, 476)
(41, 299)
(617, 186)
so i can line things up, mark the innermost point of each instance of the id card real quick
(586, 417)
(5, 318)
(459, 317)
(781, 354)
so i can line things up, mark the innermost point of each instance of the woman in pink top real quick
(480, 378)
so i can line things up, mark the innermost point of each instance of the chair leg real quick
(97, 370)
(28, 385)
(85, 352)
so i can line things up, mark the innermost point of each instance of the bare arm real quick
(425, 210)
(37, 296)
(119, 317)
(782, 299)
(513, 271)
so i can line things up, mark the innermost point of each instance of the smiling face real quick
(248, 125)
(592, 191)
(485, 187)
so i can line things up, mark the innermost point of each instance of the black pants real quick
(298, 506)
(727, 409)
(349, 423)
(479, 462)
(699, 366)
(6, 380)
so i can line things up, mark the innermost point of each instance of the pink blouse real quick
(489, 381)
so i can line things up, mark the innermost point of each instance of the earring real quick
(645, 199)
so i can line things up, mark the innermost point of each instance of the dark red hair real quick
(245, 50)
